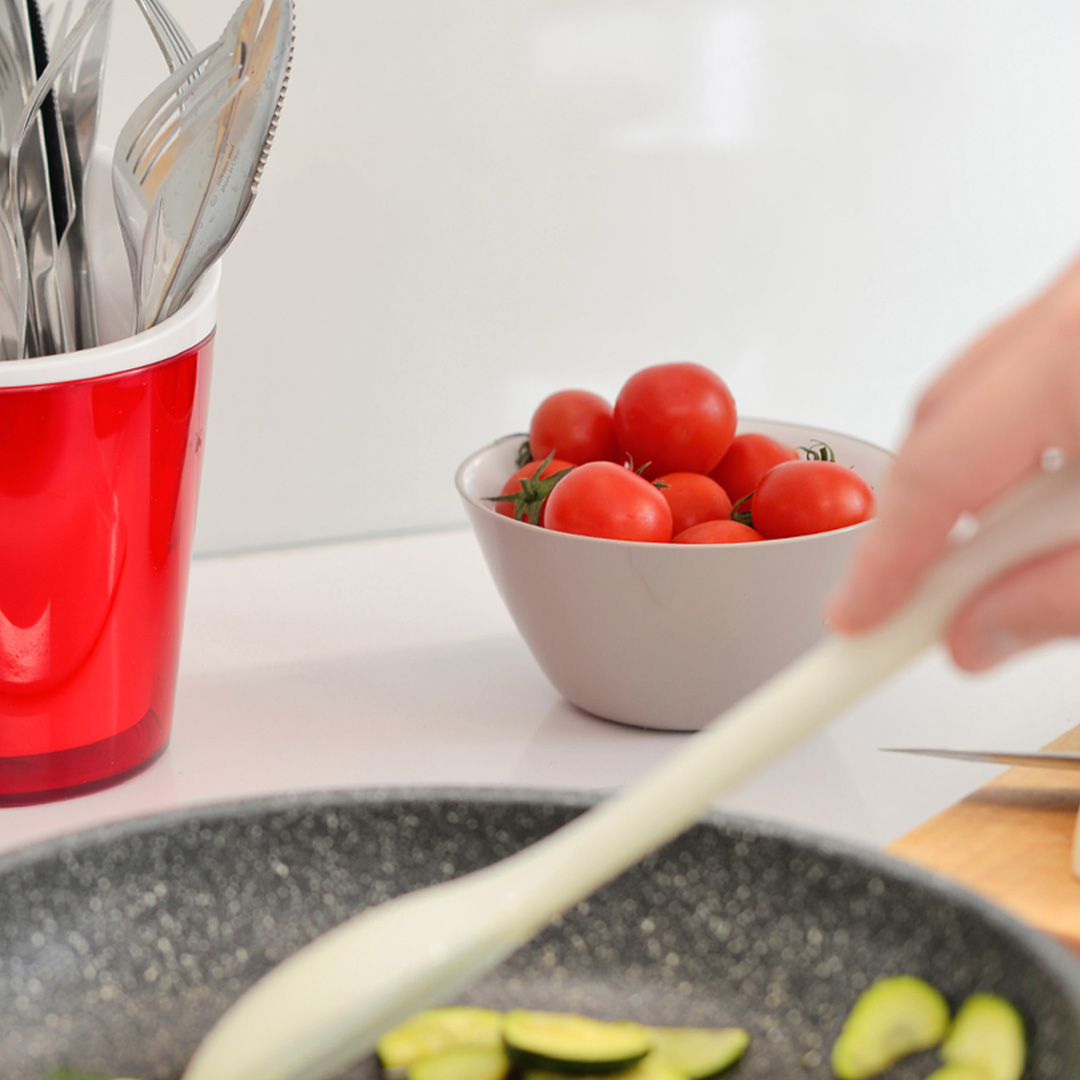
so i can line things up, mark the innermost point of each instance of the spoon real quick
(325, 1006)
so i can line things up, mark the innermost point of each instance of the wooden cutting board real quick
(1011, 841)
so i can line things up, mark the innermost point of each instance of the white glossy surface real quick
(394, 662)
(469, 204)
(662, 635)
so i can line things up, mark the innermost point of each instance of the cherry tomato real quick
(524, 495)
(693, 498)
(801, 497)
(601, 498)
(748, 459)
(675, 418)
(576, 425)
(718, 532)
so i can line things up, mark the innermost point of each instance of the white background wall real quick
(474, 202)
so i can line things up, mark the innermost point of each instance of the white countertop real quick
(393, 662)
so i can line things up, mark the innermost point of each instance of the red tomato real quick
(576, 425)
(601, 498)
(801, 497)
(748, 459)
(693, 498)
(675, 418)
(718, 532)
(524, 495)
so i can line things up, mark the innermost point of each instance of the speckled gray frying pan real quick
(119, 947)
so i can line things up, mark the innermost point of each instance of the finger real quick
(1005, 338)
(1027, 607)
(962, 457)
(1004, 342)
(952, 380)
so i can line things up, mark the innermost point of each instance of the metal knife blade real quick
(55, 151)
(1043, 759)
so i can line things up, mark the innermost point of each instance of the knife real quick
(55, 152)
(1045, 759)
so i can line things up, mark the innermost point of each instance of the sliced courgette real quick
(646, 1069)
(698, 1053)
(567, 1043)
(894, 1018)
(988, 1032)
(959, 1070)
(463, 1063)
(435, 1030)
(64, 1073)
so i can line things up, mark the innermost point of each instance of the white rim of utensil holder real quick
(192, 324)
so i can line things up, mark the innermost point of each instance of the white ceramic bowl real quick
(661, 635)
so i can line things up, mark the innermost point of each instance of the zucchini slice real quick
(646, 1069)
(895, 1017)
(463, 1063)
(698, 1053)
(959, 1070)
(435, 1030)
(64, 1073)
(567, 1043)
(989, 1032)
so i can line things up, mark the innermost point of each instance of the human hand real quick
(982, 427)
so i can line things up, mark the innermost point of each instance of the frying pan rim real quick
(1044, 950)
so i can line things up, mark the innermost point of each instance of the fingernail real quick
(990, 647)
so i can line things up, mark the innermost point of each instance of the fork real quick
(183, 197)
(155, 140)
(175, 45)
(240, 160)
